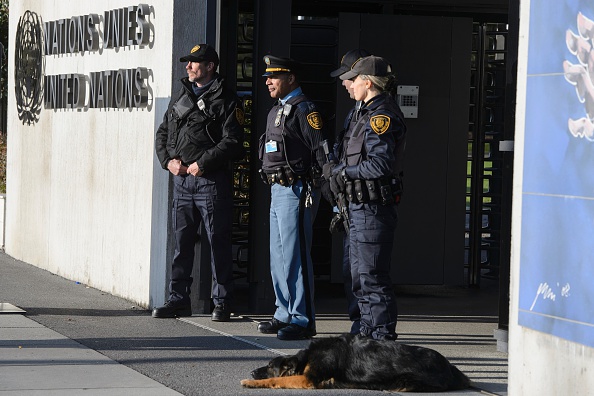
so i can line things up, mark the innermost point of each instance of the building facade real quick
(498, 96)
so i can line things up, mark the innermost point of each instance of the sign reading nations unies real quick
(116, 88)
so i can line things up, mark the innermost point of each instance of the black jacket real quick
(212, 137)
(374, 144)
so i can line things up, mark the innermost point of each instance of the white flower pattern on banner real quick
(581, 74)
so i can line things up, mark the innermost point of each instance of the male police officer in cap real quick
(200, 135)
(370, 175)
(347, 62)
(291, 165)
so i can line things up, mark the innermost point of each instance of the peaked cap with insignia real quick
(275, 65)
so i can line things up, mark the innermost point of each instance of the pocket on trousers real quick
(378, 224)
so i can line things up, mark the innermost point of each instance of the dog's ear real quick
(289, 366)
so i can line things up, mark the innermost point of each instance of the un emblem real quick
(29, 67)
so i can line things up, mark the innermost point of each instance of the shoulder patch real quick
(315, 120)
(239, 115)
(380, 123)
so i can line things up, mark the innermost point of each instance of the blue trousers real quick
(352, 302)
(372, 230)
(205, 199)
(290, 253)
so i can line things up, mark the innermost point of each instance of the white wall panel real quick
(86, 198)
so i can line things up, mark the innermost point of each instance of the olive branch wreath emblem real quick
(29, 67)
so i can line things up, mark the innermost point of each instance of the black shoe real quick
(295, 332)
(271, 327)
(172, 309)
(221, 313)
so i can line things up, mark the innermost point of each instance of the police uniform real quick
(203, 126)
(371, 169)
(291, 164)
(346, 63)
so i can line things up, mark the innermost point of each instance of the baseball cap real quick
(370, 66)
(201, 52)
(348, 60)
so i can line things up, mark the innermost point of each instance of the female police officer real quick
(369, 173)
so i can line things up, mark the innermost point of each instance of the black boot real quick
(172, 309)
(221, 313)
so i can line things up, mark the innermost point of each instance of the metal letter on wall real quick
(29, 67)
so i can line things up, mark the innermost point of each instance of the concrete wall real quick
(86, 198)
(2, 217)
(551, 326)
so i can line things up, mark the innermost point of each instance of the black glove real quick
(327, 193)
(336, 223)
(337, 184)
(327, 170)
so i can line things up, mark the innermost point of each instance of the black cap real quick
(201, 52)
(370, 66)
(275, 65)
(348, 60)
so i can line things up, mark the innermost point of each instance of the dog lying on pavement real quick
(354, 362)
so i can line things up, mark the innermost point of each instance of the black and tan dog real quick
(357, 362)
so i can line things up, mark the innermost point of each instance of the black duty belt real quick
(286, 177)
(385, 191)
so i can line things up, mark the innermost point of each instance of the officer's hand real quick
(327, 193)
(176, 167)
(195, 170)
(337, 184)
(327, 170)
(336, 223)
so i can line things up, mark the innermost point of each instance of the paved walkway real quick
(76, 340)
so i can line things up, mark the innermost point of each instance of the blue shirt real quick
(296, 92)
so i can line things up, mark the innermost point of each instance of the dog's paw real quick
(327, 384)
(248, 383)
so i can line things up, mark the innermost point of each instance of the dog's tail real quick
(459, 379)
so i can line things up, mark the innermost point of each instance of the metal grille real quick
(484, 166)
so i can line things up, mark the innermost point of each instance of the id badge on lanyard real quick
(271, 146)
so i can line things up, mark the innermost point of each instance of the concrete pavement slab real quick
(18, 321)
(35, 360)
(7, 308)
(75, 376)
(89, 392)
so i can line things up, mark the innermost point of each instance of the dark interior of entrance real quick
(454, 217)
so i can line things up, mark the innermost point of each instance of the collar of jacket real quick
(374, 102)
(215, 86)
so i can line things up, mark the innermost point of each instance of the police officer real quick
(291, 165)
(369, 174)
(200, 135)
(347, 62)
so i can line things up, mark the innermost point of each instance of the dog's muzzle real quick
(260, 373)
